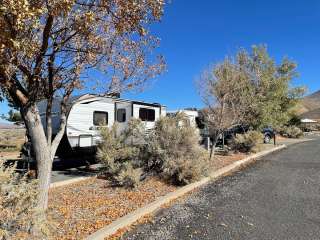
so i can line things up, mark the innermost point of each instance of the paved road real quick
(276, 198)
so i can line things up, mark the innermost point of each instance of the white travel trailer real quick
(88, 112)
(191, 115)
(195, 121)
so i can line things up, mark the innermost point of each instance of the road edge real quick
(133, 217)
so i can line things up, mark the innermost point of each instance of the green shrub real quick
(247, 142)
(129, 176)
(120, 153)
(291, 132)
(174, 151)
(18, 199)
(185, 170)
(171, 150)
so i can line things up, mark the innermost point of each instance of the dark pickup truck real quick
(268, 134)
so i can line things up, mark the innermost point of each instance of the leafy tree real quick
(51, 48)
(271, 96)
(248, 89)
(223, 89)
(13, 116)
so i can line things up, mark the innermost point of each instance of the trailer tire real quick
(267, 138)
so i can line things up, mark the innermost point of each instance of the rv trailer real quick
(88, 112)
(191, 115)
(195, 119)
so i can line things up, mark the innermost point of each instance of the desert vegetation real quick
(174, 151)
(11, 139)
(248, 89)
(48, 49)
(248, 142)
(291, 132)
(121, 152)
(13, 116)
(18, 200)
(171, 150)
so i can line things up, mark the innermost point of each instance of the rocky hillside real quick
(309, 107)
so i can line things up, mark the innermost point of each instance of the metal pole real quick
(223, 141)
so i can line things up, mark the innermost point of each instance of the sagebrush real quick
(174, 151)
(120, 152)
(291, 132)
(171, 150)
(247, 142)
(18, 199)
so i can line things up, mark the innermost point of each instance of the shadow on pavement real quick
(72, 167)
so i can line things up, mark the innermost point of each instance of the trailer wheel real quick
(267, 138)
(64, 149)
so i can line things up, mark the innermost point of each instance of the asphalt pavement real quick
(278, 197)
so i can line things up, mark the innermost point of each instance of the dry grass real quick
(11, 139)
(18, 199)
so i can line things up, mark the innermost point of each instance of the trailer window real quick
(121, 115)
(200, 123)
(100, 118)
(146, 114)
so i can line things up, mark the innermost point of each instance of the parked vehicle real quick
(88, 113)
(228, 135)
(268, 134)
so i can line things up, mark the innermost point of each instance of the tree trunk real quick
(42, 154)
(212, 150)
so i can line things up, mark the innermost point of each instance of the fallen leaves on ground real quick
(83, 208)
(222, 161)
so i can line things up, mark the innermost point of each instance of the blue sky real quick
(196, 33)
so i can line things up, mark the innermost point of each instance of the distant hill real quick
(313, 114)
(8, 126)
(5, 125)
(309, 107)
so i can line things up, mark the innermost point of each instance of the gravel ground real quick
(276, 198)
